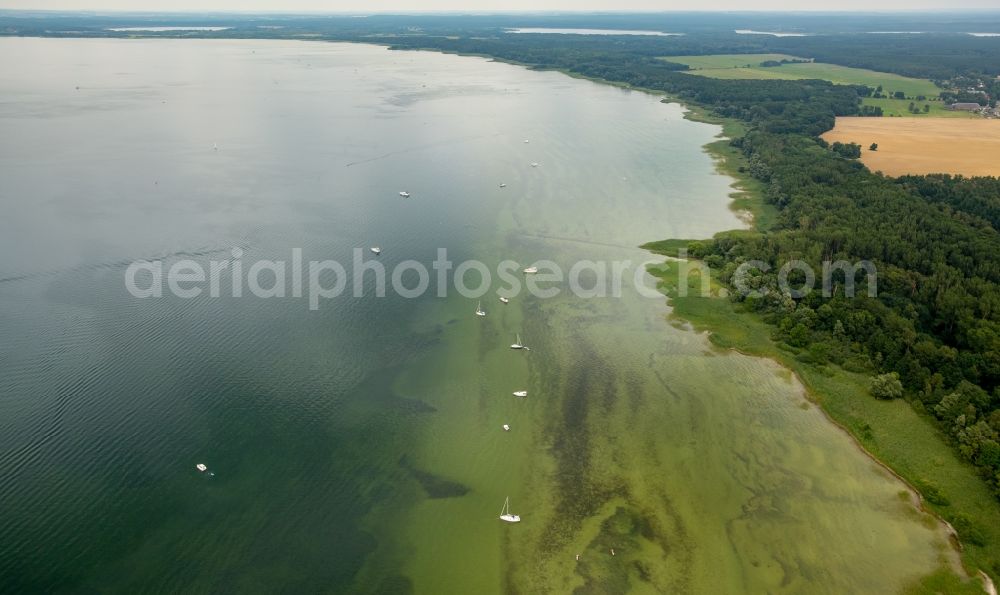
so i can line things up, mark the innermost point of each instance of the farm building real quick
(965, 107)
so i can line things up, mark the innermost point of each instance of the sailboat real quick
(479, 309)
(517, 344)
(505, 514)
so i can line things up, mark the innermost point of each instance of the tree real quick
(848, 150)
(899, 95)
(927, 108)
(978, 443)
(873, 147)
(886, 386)
(989, 454)
(965, 399)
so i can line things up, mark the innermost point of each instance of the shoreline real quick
(714, 332)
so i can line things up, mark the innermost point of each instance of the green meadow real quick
(747, 66)
(900, 107)
(717, 61)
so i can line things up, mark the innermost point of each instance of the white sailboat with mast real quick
(505, 514)
(479, 309)
(517, 343)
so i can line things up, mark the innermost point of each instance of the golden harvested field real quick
(924, 145)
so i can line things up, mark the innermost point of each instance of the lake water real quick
(358, 447)
(773, 33)
(570, 31)
(165, 29)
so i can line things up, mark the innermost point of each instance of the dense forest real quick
(932, 334)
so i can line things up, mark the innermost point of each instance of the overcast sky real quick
(491, 5)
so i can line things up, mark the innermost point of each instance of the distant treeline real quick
(941, 53)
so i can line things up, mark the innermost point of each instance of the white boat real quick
(201, 467)
(479, 309)
(534, 164)
(504, 300)
(405, 194)
(505, 514)
(215, 146)
(526, 141)
(517, 344)
(502, 185)
(520, 393)
(506, 428)
(530, 270)
(376, 250)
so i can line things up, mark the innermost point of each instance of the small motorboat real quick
(520, 393)
(405, 194)
(526, 141)
(534, 164)
(504, 300)
(506, 428)
(502, 185)
(479, 309)
(376, 250)
(505, 514)
(530, 270)
(201, 467)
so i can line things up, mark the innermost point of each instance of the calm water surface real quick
(358, 448)
(568, 31)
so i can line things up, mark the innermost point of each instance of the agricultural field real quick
(747, 66)
(969, 147)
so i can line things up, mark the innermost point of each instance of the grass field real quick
(892, 431)
(735, 66)
(716, 61)
(900, 107)
(926, 145)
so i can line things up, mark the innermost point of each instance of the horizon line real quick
(113, 11)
